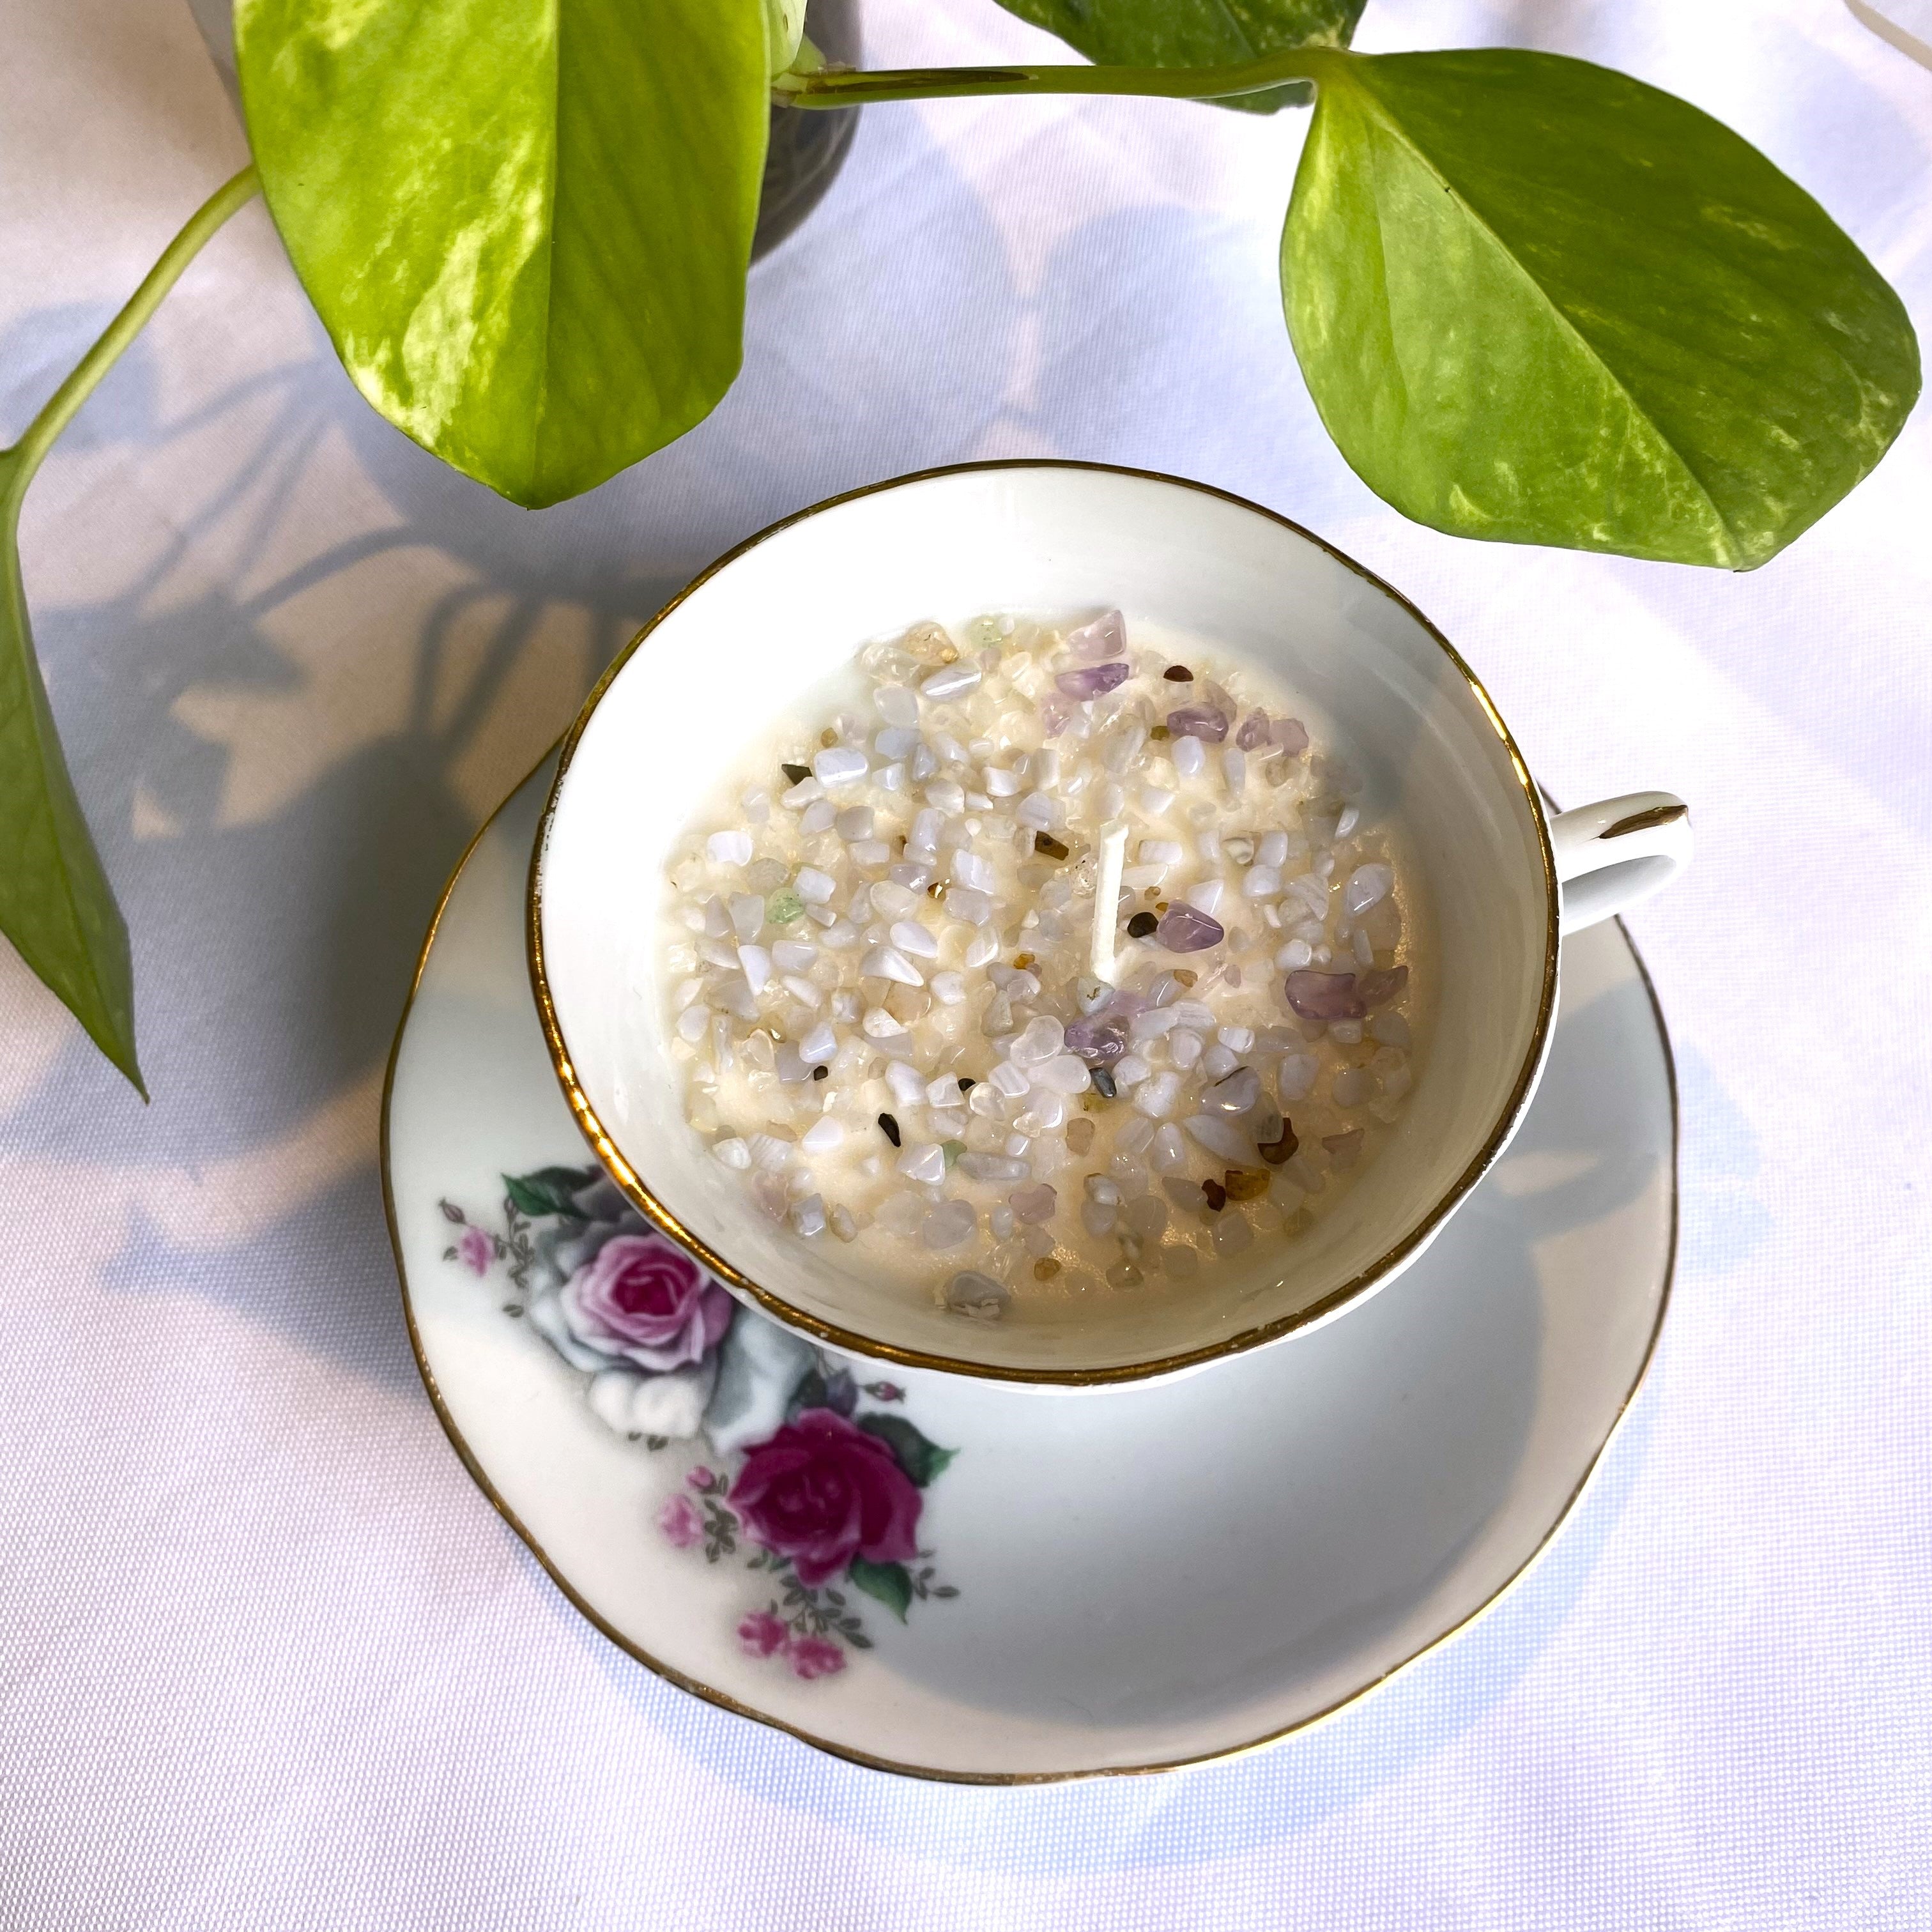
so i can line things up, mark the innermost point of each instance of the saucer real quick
(962, 1579)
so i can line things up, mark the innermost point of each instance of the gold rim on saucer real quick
(724, 1701)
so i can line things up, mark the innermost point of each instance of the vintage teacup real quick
(719, 667)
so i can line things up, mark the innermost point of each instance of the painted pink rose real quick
(476, 1250)
(761, 1633)
(821, 1492)
(680, 1523)
(641, 1298)
(814, 1657)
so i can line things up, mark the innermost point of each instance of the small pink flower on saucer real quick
(761, 1633)
(641, 1298)
(475, 1249)
(822, 1491)
(814, 1656)
(680, 1523)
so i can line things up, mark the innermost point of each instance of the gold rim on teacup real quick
(849, 1341)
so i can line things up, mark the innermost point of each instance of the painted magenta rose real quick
(822, 1491)
(641, 1298)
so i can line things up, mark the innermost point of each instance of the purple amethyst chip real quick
(1385, 984)
(1199, 720)
(1106, 637)
(1328, 996)
(1101, 1040)
(1254, 732)
(1185, 929)
(1092, 680)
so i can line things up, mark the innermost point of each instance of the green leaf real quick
(888, 1581)
(525, 224)
(1539, 302)
(784, 29)
(919, 1457)
(56, 903)
(1197, 33)
(550, 1190)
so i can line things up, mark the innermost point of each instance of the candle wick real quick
(1107, 899)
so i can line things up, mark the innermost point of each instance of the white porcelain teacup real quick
(788, 609)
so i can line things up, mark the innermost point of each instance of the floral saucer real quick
(960, 1579)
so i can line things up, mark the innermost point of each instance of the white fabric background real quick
(267, 1659)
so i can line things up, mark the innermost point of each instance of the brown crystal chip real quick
(890, 1128)
(1045, 1268)
(820, 1072)
(1158, 731)
(1217, 1194)
(1245, 1184)
(1275, 1152)
(1178, 674)
(1022, 961)
(798, 774)
(1141, 925)
(1045, 841)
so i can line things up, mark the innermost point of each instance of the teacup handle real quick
(1614, 854)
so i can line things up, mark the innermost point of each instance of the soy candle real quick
(1053, 959)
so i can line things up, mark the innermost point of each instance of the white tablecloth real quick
(267, 1660)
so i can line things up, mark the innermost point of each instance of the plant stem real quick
(828, 88)
(46, 427)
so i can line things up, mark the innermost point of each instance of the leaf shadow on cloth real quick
(315, 659)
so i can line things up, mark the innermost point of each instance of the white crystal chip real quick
(948, 1224)
(888, 962)
(1367, 886)
(978, 1295)
(838, 765)
(952, 680)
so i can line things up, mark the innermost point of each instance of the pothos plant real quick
(1533, 300)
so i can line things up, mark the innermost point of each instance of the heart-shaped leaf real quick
(550, 1190)
(916, 1453)
(1538, 302)
(891, 1583)
(1197, 33)
(525, 224)
(56, 905)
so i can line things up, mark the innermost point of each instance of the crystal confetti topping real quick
(898, 1036)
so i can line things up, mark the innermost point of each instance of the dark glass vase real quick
(808, 146)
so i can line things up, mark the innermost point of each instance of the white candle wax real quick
(892, 1013)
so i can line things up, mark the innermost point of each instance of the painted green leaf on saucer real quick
(526, 224)
(890, 1583)
(920, 1457)
(1539, 302)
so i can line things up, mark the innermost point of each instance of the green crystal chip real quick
(783, 906)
